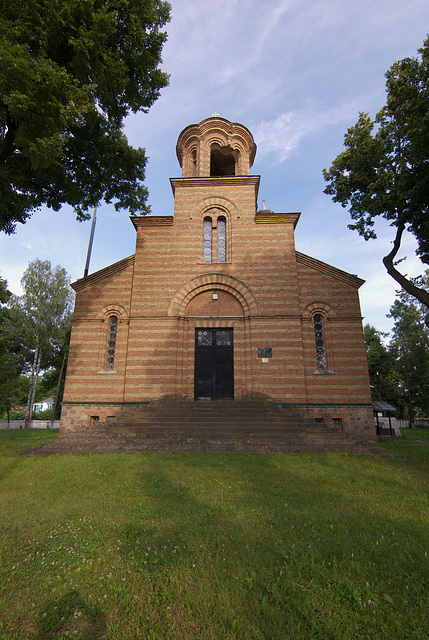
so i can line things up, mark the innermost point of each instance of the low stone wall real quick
(34, 424)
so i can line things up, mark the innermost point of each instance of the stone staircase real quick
(222, 426)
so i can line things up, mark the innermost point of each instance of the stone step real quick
(105, 440)
(207, 408)
(124, 446)
(257, 439)
(244, 426)
(218, 424)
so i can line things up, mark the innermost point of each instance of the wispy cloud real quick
(281, 136)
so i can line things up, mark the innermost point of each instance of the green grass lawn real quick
(166, 546)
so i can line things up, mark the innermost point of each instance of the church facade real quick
(216, 304)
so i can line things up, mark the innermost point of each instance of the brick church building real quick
(216, 304)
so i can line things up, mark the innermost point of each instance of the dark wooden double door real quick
(214, 364)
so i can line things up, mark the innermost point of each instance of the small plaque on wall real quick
(265, 352)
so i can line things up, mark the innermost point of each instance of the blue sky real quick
(296, 73)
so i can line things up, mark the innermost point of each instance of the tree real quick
(11, 357)
(59, 364)
(410, 346)
(42, 313)
(5, 294)
(69, 74)
(384, 170)
(384, 378)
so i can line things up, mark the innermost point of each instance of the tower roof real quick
(217, 130)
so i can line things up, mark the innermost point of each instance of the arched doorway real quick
(214, 364)
(214, 345)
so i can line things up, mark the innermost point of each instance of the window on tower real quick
(221, 239)
(222, 161)
(214, 239)
(208, 240)
(194, 163)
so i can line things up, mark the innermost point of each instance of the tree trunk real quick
(54, 406)
(421, 294)
(410, 398)
(28, 409)
(32, 391)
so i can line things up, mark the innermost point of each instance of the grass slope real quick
(237, 546)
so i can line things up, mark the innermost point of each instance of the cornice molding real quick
(218, 181)
(269, 217)
(103, 273)
(329, 270)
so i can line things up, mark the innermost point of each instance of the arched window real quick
(221, 239)
(214, 244)
(194, 163)
(222, 161)
(111, 343)
(319, 337)
(208, 240)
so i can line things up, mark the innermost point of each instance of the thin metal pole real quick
(91, 238)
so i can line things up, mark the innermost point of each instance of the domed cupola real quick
(215, 148)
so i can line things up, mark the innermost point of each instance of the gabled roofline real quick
(329, 270)
(151, 221)
(116, 267)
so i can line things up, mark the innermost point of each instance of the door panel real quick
(204, 372)
(214, 364)
(224, 381)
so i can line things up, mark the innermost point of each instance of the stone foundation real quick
(75, 417)
(358, 420)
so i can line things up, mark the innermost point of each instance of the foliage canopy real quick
(399, 370)
(384, 169)
(410, 345)
(70, 72)
(42, 316)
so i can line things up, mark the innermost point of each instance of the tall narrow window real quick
(194, 163)
(319, 337)
(207, 246)
(111, 343)
(221, 239)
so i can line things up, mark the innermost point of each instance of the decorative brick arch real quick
(318, 307)
(207, 282)
(112, 309)
(226, 207)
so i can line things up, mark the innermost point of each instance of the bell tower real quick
(215, 148)
(215, 156)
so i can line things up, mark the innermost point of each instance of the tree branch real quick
(421, 294)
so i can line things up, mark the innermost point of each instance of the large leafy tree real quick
(5, 294)
(11, 360)
(410, 347)
(70, 71)
(386, 382)
(41, 316)
(384, 169)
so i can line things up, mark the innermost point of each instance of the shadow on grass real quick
(71, 615)
(283, 545)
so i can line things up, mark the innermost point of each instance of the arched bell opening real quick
(223, 161)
